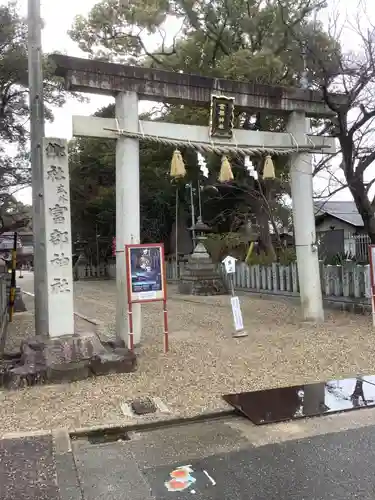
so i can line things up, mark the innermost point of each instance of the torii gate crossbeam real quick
(128, 83)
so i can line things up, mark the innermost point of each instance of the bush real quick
(339, 259)
(237, 245)
(221, 245)
(284, 256)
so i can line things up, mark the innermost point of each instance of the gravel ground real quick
(204, 362)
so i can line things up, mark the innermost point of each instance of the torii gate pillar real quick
(127, 209)
(100, 77)
(304, 222)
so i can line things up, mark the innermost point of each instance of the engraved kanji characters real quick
(222, 113)
(60, 259)
(57, 213)
(55, 149)
(57, 237)
(60, 285)
(55, 173)
(62, 194)
(221, 116)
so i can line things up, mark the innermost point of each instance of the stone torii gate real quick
(128, 84)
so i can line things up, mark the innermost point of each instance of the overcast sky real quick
(58, 18)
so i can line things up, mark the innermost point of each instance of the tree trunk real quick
(364, 206)
(264, 229)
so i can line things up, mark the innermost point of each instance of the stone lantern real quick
(200, 275)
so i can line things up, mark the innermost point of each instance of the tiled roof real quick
(342, 210)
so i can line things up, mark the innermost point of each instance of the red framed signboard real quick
(145, 270)
(372, 279)
(146, 280)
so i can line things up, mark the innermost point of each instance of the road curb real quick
(60, 436)
(25, 434)
(83, 432)
(61, 441)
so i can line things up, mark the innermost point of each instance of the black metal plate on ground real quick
(301, 401)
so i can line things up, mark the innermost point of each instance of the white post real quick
(127, 209)
(304, 223)
(59, 274)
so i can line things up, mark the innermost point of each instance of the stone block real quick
(32, 351)
(25, 375)
(207, 266)
(116, 343)
(185, 287)
(119, 361)
(202, 286)
(72, 348)
(69, 372)
(65, 359)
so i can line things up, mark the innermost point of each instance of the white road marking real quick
(85, 318)
(213, 482)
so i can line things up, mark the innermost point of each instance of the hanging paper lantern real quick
(226, 173)
(269, 168)
(177, 165)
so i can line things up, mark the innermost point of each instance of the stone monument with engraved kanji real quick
(58, 237)
(64, 355)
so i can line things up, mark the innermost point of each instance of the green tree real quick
(92, 167)
(243, 40)
(14, 94)
(248, 40)
(14, 109)
(14, 175)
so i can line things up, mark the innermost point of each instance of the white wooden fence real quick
(350, 281)
(82, 272)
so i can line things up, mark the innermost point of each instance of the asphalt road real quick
(27, 469)
(206, 461)
(26, 282)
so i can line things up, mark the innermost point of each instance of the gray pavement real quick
(224, 465)
(27, 469)
(318, 459)
(212, 460)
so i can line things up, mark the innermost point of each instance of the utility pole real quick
(35, 65)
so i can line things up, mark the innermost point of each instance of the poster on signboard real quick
(145, 272)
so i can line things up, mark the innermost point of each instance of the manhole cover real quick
(141, 406)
